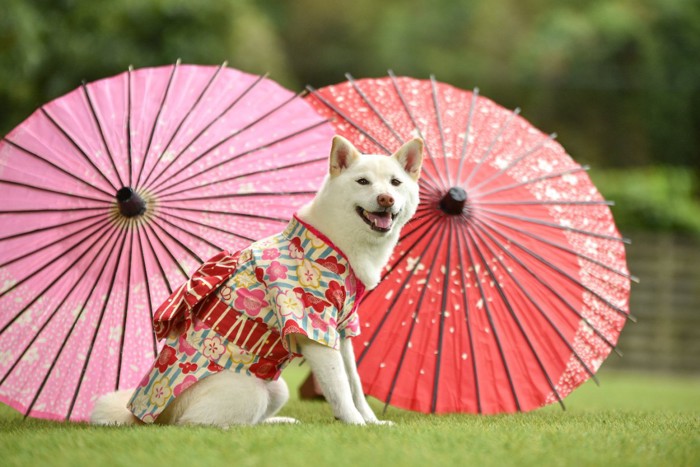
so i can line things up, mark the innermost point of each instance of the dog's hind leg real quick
(279, 395)
(222, 400)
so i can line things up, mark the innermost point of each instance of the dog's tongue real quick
(380, 219)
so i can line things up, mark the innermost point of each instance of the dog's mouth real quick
(379, 221)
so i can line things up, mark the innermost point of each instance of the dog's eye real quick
(396, 181)
(362, 181)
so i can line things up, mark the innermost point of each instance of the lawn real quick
(628, 420)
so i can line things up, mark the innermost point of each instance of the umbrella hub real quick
(130, 203)
(454, 201)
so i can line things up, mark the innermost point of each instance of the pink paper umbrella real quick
(112, 194)
(509, 287)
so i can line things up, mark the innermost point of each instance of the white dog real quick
(223, 369)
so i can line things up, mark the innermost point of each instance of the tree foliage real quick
(618, 80)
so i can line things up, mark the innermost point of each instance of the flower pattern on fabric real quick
(336, 294)
(185, 346)
(319, 323)
(213, 347)
(296, 251)
(271, 253)
(314, 240)
(239, 355)
(166, 358)
(186, 383)
(310, 300)
(264, 370)
(289, 304)
(250, 301)
(244, 280)
(226, 292)
(187, 367)
(331, 263)
(160, 392)
(245, 313)
(309, 275)
(276, 271)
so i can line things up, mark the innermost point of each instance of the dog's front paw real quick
(382, 422)
(351, 419)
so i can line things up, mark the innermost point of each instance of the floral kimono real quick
(242, 311)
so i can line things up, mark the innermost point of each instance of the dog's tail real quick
(110, 409)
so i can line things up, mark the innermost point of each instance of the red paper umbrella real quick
(509, 287)
(112, 194)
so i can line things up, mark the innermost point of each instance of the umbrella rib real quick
(568, 250)
(128, 124)
(67, 337)
(532, 300)
(544, 203)
(48, 287)
(471, 244)
(37, 211)
(563, 273)
(55, 226)
(186, 115)
(467, 321)
(335, 109)
(244, 195)
(238, 156)
(93, 113)
(390, 307)
(155, 122)
(170, 253)
(415, 125)
(48, 245)
(381, 117)
(441, 332)
(55, 166)
(438, 116)
(362, 130)
(225, 213)
(127, 292)
(489, 150)
(155, 256)
(178, 242)
(202, 224)
(535, 180)
(77, 147)
(247, 174)
(463, 156)
(512, 313)
(54, 192)
(148, 290)
(99, 322)
(555, 292)
(155, 187)
(53, 313)
(515, 162)
(406, 344)
(553, 225)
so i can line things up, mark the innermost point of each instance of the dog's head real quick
(381, 191)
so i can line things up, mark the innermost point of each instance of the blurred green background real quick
(618, 80)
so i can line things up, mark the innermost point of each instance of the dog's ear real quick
(410, 156)
(343, 155)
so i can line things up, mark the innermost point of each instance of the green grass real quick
(628, 420)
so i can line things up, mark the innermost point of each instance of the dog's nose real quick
(385, 200)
